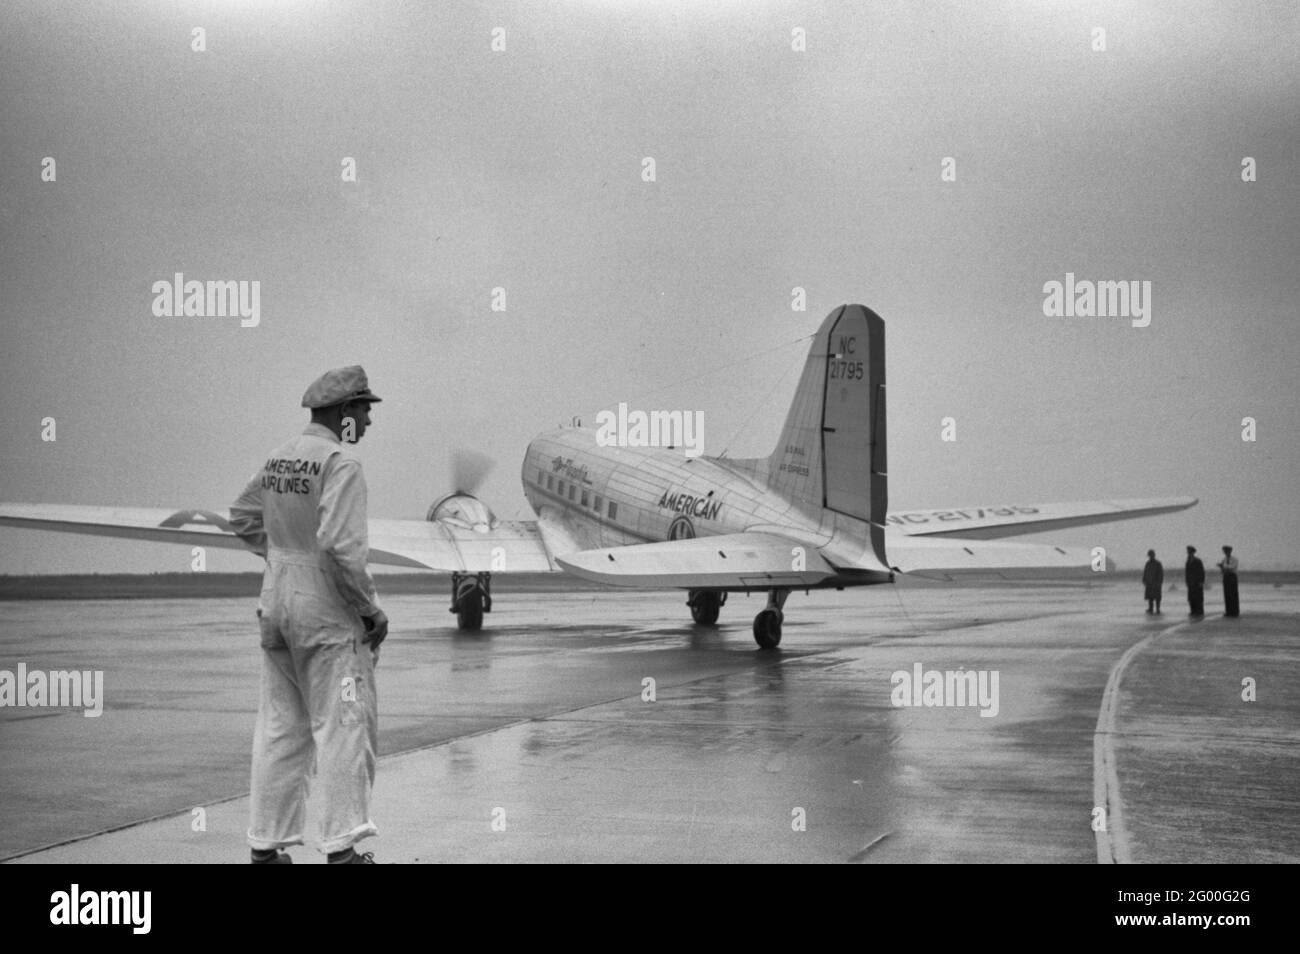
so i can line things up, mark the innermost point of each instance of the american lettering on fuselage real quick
(976, 513)
(702, 508)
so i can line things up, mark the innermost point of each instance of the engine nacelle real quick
(462, 510)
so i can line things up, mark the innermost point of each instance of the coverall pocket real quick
(271, 637)
(321, 622)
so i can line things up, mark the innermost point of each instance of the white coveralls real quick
(305, 511)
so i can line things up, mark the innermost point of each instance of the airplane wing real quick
(514, 546)
(954, 559)
(989, 523)
(760, 560)
(727, 560)
(556, 535)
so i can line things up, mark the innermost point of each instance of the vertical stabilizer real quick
(832, 449)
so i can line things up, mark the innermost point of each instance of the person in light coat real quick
(321, 625)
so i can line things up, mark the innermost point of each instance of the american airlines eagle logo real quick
(681, 529)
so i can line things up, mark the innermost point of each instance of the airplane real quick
(810, 515)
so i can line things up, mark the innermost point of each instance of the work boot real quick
(270, 858)
(350, 857)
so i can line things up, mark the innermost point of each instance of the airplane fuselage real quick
(611, 496)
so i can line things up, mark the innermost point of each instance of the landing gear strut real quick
(471, 597)
(705, 605)
(767, 624)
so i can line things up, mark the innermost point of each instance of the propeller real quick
(469, 468)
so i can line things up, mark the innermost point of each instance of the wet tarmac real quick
(544, 739)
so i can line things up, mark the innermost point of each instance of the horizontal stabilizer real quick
(731, 560)
(954, 559)
(990, 523)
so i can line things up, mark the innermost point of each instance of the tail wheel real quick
(705, 606)
(767, 629)
(469, 607)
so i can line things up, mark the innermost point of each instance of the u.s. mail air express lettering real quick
(285, 475)
(701, 507)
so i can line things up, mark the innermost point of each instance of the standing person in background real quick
(1153, 579)
(1194, 577)
(1229, 567)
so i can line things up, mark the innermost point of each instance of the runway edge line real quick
(1112, 839)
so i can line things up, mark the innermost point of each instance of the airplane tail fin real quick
(832, 449)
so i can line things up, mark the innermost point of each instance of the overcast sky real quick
(775, 168)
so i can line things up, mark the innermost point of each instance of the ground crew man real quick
(1194, 577)
(1153, 581)
(1229, 567)
(305, 512)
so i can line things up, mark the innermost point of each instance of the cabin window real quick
(584, 498)
(599, 504)
(613, 510)
(550, 481)
(573, 491)
(539, 476)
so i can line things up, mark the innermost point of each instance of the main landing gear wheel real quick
(767, 628)
(471, 597)
(705, 605)
(469, 609)
(767, 624)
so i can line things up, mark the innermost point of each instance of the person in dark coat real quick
(1153, 578)
(1194, 577)
(1229, 567)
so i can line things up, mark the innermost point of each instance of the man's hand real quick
(376, 629)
